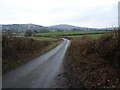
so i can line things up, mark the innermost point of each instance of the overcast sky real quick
(83, 13)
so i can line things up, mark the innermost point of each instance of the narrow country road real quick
(38, 73)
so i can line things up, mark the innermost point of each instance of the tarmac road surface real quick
(40, 72)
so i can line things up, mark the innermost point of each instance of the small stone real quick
(98, 83)
(113, 86)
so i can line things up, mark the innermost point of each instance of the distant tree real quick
(9, 33)
(35, 31)
(28, 33)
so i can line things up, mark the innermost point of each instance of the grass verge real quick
(17, 51)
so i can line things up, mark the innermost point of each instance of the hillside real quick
(70, 27)
(23, 27)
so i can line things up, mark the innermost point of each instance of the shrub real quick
(94, 61)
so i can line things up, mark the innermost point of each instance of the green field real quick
(92, 36)
(51, 36)
(44, 38)
(67, 33)
(95, 36)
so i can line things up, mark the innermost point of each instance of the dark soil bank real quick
(72, 78)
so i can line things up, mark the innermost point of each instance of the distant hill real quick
(110, 28)
(21, 28)
(63, 27)
(69, 27)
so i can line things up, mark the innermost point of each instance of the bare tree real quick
(28, 33)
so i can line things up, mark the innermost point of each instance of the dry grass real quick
(17, 51)
(96, 63)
